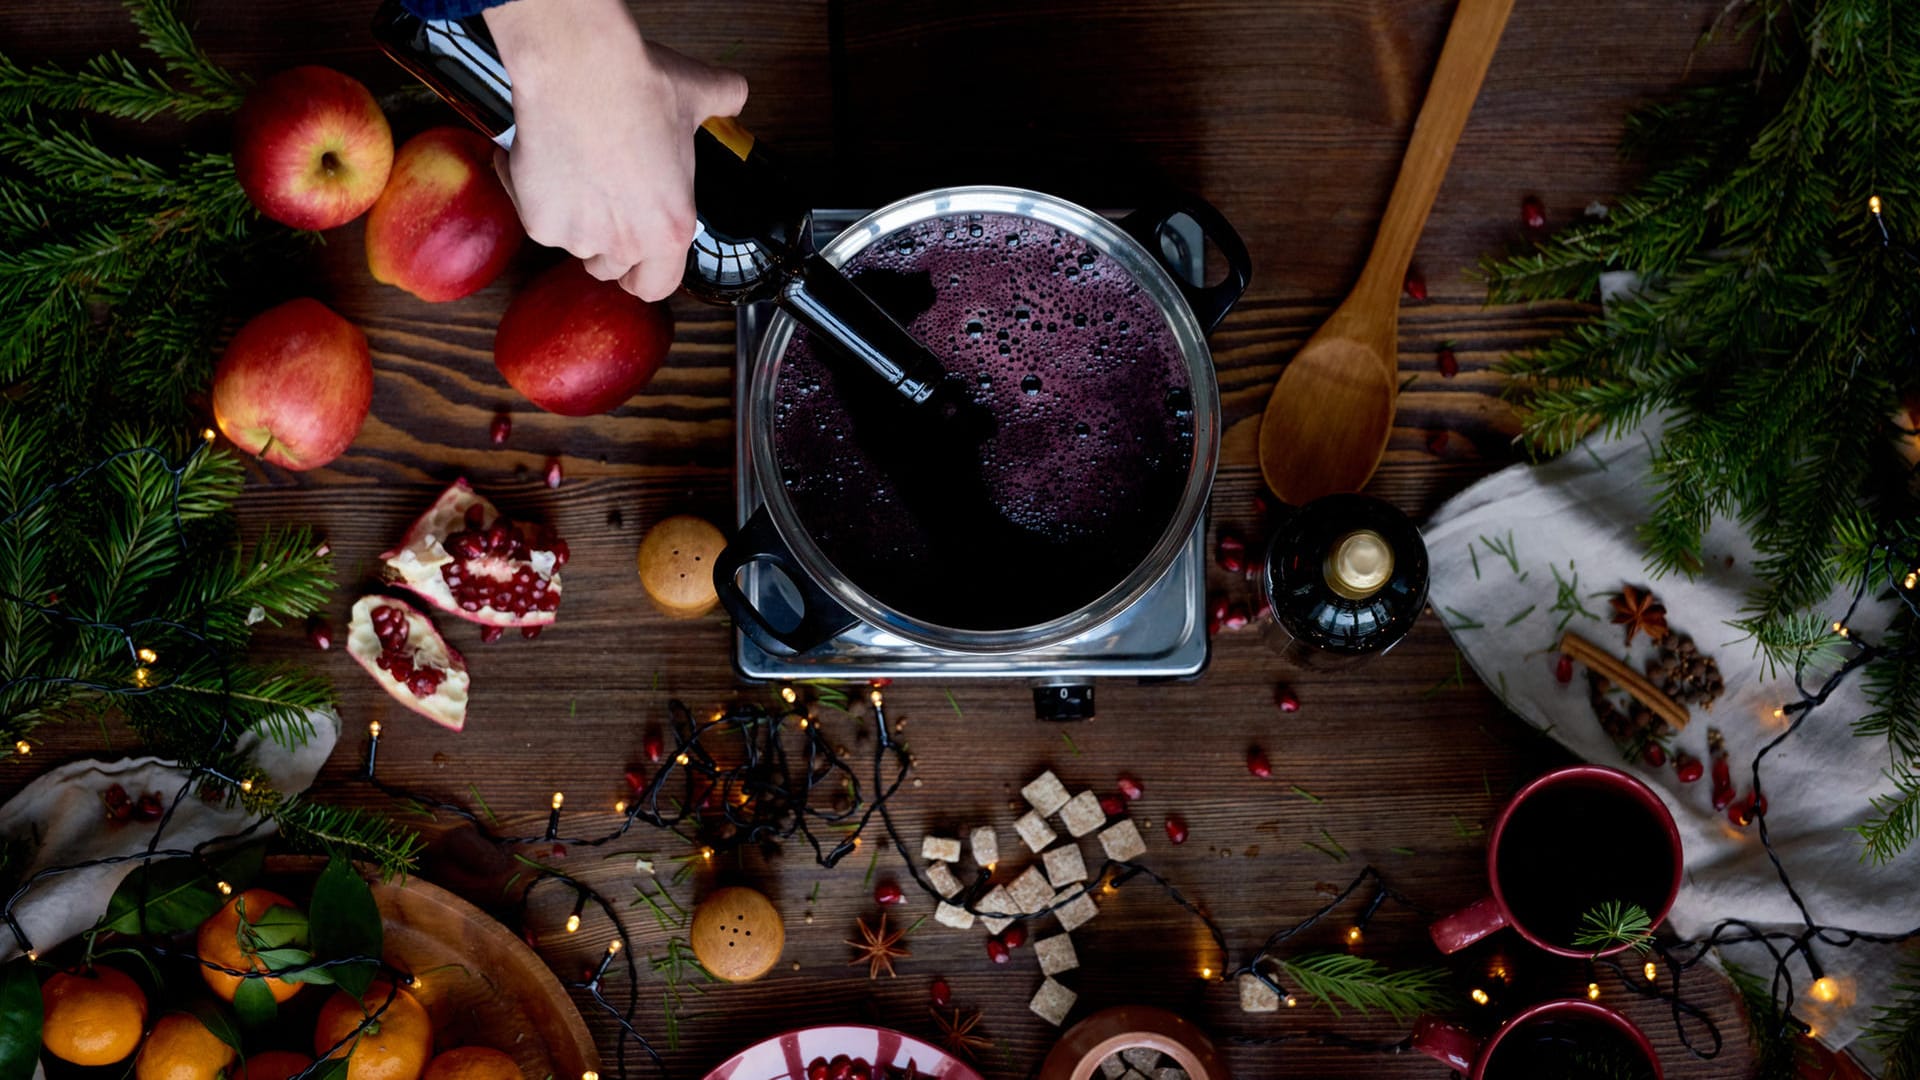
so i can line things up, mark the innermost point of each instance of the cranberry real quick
(1688, 769)
(1111, 805)
(1448, 364)
(1743, 811)
(558, 851)
(149, 808)
(1237, 616)
(636, 779)
(652, 747)
(531, 632)
(320, 633)
(554, 473)
(1416, 285)
(1563, 669)
(501, 427)
(1283, 697)
(491, 634)
(1257, 763)
(997, 951)
(1231, 552)
(1654, 755)
(1015, 936)
(1176, 830)
(119, 804)
(940, 992)
(888, 893)
(1437, 443)
(817, 1069)
(1129, 787)
(1533, 213)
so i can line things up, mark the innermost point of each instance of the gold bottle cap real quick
(1359, 564)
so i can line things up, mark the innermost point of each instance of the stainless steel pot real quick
(831, 602)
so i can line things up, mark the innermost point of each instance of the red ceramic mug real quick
(1568, 842)
(1530, 1044)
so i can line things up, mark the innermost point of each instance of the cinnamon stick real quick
(1605, 663)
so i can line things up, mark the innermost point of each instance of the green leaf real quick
(333, 1069)
(346, 924)
(241, 866)
(278, 927)
(254, 1003)
(218, 1021)
(179, 897)
(19, 1020)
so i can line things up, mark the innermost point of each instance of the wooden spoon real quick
(1327, 423)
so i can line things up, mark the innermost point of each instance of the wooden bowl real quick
(480, 984)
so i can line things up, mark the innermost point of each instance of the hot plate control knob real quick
(1063, 701)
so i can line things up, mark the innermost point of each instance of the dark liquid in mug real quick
(1568, 1049)
(1573, 847)
(1089, 450)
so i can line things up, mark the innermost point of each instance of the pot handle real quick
(1448, 1043)
(821, 617)
(1210, 304)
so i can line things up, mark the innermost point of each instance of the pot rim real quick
(1153, 277)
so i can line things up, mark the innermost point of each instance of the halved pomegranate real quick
(464, 558)
(409, 659)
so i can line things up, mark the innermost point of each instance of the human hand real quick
(602, 159)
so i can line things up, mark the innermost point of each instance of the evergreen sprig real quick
(1366, 984)
(1895, 1028)
(1778, 1048)
(1614, 923)
(1771, 328)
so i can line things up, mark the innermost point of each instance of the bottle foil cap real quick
(1359, 564)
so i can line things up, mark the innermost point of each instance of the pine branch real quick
(312, 826)
(111, 85)
(1366, 984)
(1777, 1046)
(1895, 823)
(1614, 923)
(1895, 1028)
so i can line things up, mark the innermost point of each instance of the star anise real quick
(879, 947)
(1639, 610)
(956, 1032)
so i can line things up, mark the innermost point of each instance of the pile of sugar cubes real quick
(1141, 1063)
(1059, 876)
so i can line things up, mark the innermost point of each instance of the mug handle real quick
(821, 617)
(1454, 932)
(1448, 1043)
(1210, 304)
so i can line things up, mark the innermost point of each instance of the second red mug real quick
(1554, 1038)
(1568, 842)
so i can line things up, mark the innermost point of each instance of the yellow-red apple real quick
(312, 148)
(444, 227)
(577, 346)
(294, 385)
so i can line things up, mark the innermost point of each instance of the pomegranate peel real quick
(464, 558)
(403, 652)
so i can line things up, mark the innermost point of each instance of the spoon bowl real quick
(1327, 423)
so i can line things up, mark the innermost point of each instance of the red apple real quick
(444, 227)
(312, 148)
(576, 346)
(294, 385)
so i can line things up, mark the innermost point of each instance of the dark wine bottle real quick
(1346, 576)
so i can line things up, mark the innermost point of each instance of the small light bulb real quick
(787, 695)
(23, 748)
(373, 729)
(1840, 628)
(1206, 973)
(1913, 578)
(1825, 989)
(141, 675)
(558, 800)
(247, 785)
(803, 723)
(1353, 935)
(573, 924)
(1292, 1001)
(1779, 712)
(613, 947)
(874, 697)
(1652, 971)
(589, 1075)
(33, 955)
(225, 888)
(1593, 991)
(681, 759)
(1873, 203)
(1480, 996)
(620, 807)
(706, 853)
(208, 434)
(147, 655)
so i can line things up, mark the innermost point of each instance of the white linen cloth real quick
(1579, 514)
(61, 815)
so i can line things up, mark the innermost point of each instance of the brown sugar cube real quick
(942, 879)
(1064, 865)
(1144, 1058)
(1034, 831)
(1053, 1002)
(1257, 996)
(986, 846)
(997, 899)
(1030, 891)
(1056, 954)
(1112, 1067)
(1121, 841)
(1076, 912)
(940, 848)
(1082, 814)
(676, 565)
(1046, 793)
(1169, 1072)
(949, 915)
(737, 935)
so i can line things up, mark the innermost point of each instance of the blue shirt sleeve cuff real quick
(448, 9)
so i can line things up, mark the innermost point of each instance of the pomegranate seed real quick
(1237, 616)
(476, 516)
(1262, 606)
(149, 808)
(325, 549)
(839, 1068)
(1231, 552)
(1233, 562)
(119, 805)
(940, 992)
(1129, 787)
(554, 473)
(1217, 607)
(501, 427)
(1687, 769)
(887, 894)
(817, 1069)
(1111, 805)
(997, 951)
(1563, 669)
(1015, 936)
(491, 634)
(652, 747)
(1416, 285)
(559, 851)
(1257, 763)
(1448, 364)
(636, 779)
(1654, 754)
(1743, 812)
(1283, 697)
(530, 632)
(1262, 506)
(860, 1070)
(1533, 213)
(1176, 830)
(1437, 443)
(1722, 784)
(560, 552)
(320, 634)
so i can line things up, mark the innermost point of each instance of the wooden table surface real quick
(1289, 115)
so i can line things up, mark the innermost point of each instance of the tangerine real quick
(221, 942)
(472, 1063)
(274, 1065)
(395, 1044)
(92, 1017)
(180, 1047)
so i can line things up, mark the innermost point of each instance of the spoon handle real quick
(1471, 41)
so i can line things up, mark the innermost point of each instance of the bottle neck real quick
(1359, 564)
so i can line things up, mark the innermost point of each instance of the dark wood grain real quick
(1289, 115)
